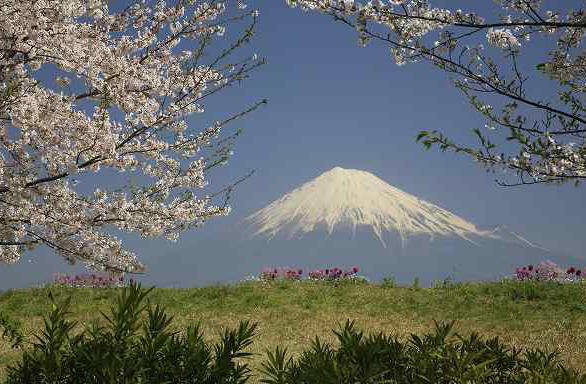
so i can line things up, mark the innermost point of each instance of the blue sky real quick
(332, 103)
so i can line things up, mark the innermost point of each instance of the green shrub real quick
(11, 331)
(136, 345)
(416, 284)
(437, 357)
(388, 282)
(528, 290)
(446, 283)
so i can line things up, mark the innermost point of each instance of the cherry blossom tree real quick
(534, 110)
(122, 86)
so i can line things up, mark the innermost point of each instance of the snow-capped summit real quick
(342, 197)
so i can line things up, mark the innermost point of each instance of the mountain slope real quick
(347, 197)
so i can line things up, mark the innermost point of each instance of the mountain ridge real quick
(340, 197)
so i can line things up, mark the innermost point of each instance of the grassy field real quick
(545, 315)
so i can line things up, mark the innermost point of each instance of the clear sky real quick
(332, 103)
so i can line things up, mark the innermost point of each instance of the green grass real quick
(542, 315)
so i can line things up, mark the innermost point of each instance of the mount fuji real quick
(351, 198)
(339, 217)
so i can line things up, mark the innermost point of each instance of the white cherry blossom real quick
(539, 124)
(133, 77)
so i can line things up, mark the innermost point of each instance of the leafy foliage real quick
(437, 357)
(388, 282)
(10, 330)
(136, 345)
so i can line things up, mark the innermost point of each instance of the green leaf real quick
(421, 135)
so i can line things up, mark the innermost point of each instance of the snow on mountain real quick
(342, 197)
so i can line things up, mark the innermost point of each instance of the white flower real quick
(62, 81)
(152, 93)
(502, 38)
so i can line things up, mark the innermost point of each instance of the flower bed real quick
(89, 281)
(333, 274)
(548, 271)
(295, 274)
(281, 273)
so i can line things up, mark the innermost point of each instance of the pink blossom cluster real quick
(283, 273)
(89, 281)
(333, 273)
(547, 271)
